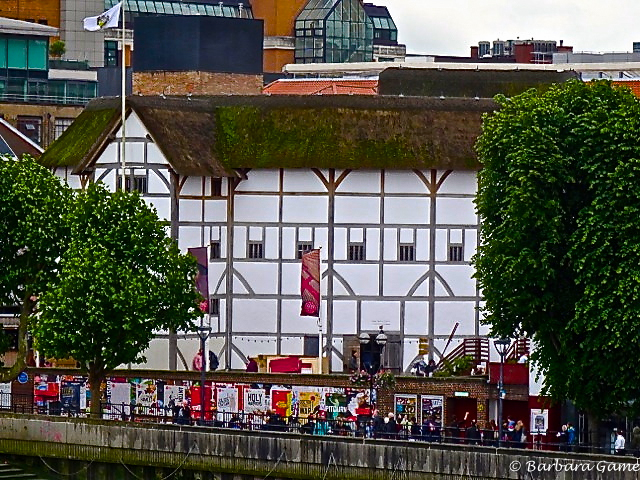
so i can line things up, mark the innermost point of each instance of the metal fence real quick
(362, 426)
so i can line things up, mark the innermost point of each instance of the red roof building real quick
(322, 87)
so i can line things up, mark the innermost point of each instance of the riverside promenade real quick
(103, 450)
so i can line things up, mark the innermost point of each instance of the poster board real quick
(406, 406)
(119, 397)
(431, 405)
(5, 395)
(255, 400)
(539, 421)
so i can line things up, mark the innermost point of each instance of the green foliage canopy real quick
(121, 280)
(32, 235)
(559, 254)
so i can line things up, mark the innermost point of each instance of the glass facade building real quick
(333, 31)
(385, 31)
(213, 9)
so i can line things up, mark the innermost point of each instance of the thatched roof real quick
(467, 83)
(215, 136)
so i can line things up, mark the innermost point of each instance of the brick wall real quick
(196, 83)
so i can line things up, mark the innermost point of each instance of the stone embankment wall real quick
(96, 449)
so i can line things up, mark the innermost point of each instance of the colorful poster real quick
(539, 421)
(70, 392)
(310, 284)
(146, 394)
(173, 395)
(431, 405)
(406, 406)
(306, 401)
(254, 400)
(227, 399)
(335, 404)
(281, 402)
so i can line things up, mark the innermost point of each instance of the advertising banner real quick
(254, 400)
(281, 402)
(431, 405)
(539, 421)
(406, 406)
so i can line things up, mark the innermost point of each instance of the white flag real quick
(108, 19)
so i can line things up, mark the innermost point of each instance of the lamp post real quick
(373, 368)
(203, 333)
(502, 345)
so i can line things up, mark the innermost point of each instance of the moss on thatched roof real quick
(214, 136)
(89, 132)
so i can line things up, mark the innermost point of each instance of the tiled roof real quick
(633, 85)
(322, 87)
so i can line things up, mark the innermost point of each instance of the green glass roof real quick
(317, 9)
(183, 8)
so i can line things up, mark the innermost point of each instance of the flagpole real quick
(123, 97)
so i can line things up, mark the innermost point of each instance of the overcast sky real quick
(450, 27)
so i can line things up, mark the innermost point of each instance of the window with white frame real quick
(456, 253)
(455, 246)
(137, 183)
(215, 250)
(407, 253)
(60, 125)
(304, 247)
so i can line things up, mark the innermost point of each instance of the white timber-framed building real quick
(383, 185)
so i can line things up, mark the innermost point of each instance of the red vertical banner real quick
(202, 277)
(310, 284)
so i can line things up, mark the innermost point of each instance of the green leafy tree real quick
(121, 279)
(57, 49)
(559, 254)
(32, 236)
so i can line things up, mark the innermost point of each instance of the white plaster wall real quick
(134, 125)
(372, 248)
(162, 206)
(340, 243)
(470, 243)
(216, 277)
(192, 186)
(252, 346)
(357, 210)
(156, 355)
(455, 211)
(404, 182)
(406, 210)
(399, 279)
(109, 155)
(362, 278)
(460, 182)
(254, 315)
(423, 242)
(260, 181)
(292, 345)
(293, 322)
(376, 313)
(391, 244)
(134, 152)
(154, 155)
(360, 181)
(289, 250)
(302, 181)
(305, 209)
(215, 210)
(189, 237)
(447, 314)
(458, 277)
(158, 182)
(291, 278)
(336, 363)
(271, 243)
(191, 210)
(262, 277)
(345, 316)
(240, 242)
(416, 318)
(441, 246)
(256, 208)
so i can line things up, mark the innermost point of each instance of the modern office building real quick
(518, 51)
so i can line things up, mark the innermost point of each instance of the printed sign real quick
(431, 405)
(539, 421)
(254, 400)
(406, 406)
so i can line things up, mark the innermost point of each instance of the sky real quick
(450, 27)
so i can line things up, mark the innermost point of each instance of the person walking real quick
(635, 441)
(519, 436)
(619, 445)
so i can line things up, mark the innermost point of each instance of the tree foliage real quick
(121, 280)
(559, 254)
(32, 235)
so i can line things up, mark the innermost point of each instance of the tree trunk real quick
(23, 345)
(95, 378)
(593, 430)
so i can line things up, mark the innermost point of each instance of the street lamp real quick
(203, 333)
(502, 345)
(372, 368)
